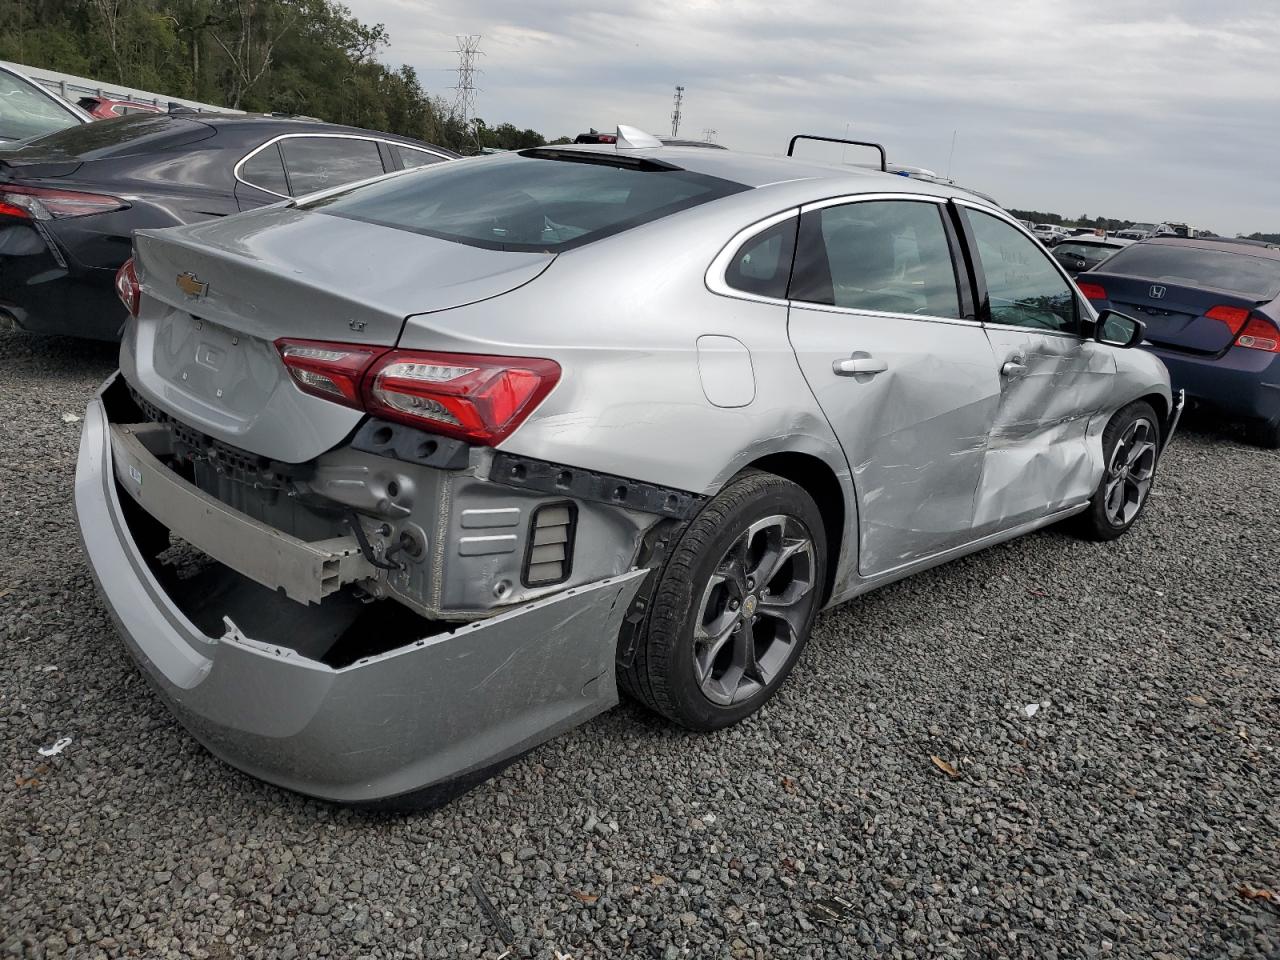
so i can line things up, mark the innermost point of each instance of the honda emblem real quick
(1157, 292)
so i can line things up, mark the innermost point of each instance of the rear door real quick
(1053, 381)
(901, 368)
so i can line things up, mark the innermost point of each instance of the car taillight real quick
(1259, 333)
(1233, 317)
(1093, 291)
(481, 399)
(42, 203)
(329, 370)
(127, 287)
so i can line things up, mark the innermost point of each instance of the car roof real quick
(761, 170)
(1224, 246)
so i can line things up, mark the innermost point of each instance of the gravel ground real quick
(1123, 819)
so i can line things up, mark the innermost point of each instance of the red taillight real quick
(329, 370)
(42, 203)
(1259, 333)
(477, 398)
(127, 287)
(1093, 291)
(1233, 317)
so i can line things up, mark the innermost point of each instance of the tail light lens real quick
(1093, 291)
(1233, 317)
(42, 203)
(127, 287)
(333, 371)
(1259, 333)
(481, 399)
(477, 398)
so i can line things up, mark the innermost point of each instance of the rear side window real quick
(265, 170)
(889, 256)
(528, 201)
(317, 163)
(762, 264)
(1257, 278)
(410, 158)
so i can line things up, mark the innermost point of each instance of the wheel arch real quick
(821, 482)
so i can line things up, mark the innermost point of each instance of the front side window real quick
(762, 265)
(890, 256)
(1023, 286)
(317, 163)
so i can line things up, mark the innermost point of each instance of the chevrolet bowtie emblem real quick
(192, 285)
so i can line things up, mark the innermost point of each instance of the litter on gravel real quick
(58, 746)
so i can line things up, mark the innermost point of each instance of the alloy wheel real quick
(1129, 474)
(753, 609)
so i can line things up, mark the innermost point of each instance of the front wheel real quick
(1131, 447)
(733, 606)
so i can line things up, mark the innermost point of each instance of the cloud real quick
(1150, 110)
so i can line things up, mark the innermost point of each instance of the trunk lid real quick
(1174, 315)
(218, 294)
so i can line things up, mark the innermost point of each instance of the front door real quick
(1053, 381)
(906, 380)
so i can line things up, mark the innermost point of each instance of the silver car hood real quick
(216, 295)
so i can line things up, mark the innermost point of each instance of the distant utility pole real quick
(709, 134)
(464, 92)
(675, 114)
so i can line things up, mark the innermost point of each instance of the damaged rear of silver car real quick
(399, 481)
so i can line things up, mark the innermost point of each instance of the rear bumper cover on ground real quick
(435, 712)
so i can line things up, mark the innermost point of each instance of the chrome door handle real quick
(1014, 368)
(855, 366)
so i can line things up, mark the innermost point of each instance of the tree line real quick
(307, 57)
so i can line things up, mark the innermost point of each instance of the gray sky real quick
(1154, 110)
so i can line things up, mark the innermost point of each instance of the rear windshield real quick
(26, 111)
(120, 136)
(526, 202)
(1257, 278)
(1093, 252)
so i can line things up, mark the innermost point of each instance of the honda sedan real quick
(398, 480)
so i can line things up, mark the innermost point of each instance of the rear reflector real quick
(329, 370)
(1093, 291)
(481, 399)
(1260, 334)
(549, 558)
(127, 287)
(1233, 317)
(42, 203)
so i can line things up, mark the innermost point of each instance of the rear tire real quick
(1265, 434)
(1131, 448)
(733, 606)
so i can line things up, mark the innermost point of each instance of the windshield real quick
(1091, 252)
(530, 201)
(1257, 278)
(1145, 227)
(26, 111)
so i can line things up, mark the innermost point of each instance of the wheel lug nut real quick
(751, 583)
(733, 604)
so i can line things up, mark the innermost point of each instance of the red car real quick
(101, 108)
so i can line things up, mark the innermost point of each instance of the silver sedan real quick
(399, 480)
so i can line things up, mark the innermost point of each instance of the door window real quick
(1024, 287)
(317, 163)
(762, 264)
(890, 256)
(265, 171)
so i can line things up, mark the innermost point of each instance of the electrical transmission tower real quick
(675, 114)
(709, 134)
(464, 92)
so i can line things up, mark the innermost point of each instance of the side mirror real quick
(1119, 329)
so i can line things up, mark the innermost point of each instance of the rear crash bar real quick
(545, 477)
(305, 572)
